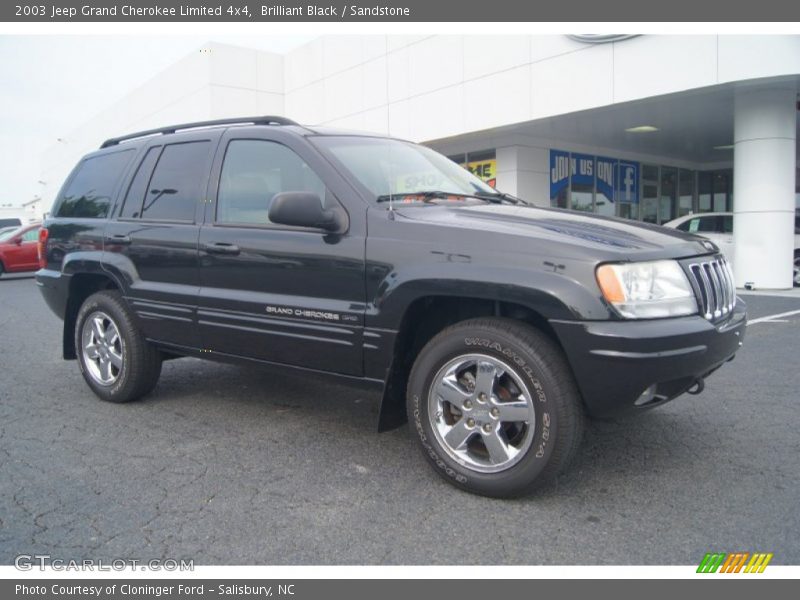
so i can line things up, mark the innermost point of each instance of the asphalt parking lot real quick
(228, 465)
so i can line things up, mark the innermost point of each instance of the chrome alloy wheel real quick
(481, 413)
(102, 348)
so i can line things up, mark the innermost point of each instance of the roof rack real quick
(266, 120)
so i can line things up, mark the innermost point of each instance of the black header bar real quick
(401, 11)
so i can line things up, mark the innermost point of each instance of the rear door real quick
(152, 243)
(272, 292)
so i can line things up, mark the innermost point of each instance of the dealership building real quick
(641, 127)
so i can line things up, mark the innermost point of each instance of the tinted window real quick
(709, 225)
(727, 224)
(178, 182)
(133, 200)
(88, 194)
(253, 172)
(703, 225)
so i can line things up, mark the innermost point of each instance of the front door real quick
(273, 292)
(23, 256)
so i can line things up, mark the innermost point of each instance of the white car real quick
(718, 227)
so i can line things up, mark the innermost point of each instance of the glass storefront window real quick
(649, 204)
(685, 192)
(582, 182)
(628, 210)
(704, 187)
(723, 196)
(669, 191)
(482, 164)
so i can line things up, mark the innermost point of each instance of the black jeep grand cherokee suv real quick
(493, 325)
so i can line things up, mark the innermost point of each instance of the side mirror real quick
(18, 241)
(302, 209)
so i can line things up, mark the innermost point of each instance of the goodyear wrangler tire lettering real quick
(495, 407)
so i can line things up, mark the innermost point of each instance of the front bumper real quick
(615, 362)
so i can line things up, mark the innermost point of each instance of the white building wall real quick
(215, 82)
(441, 86)
(430, 88)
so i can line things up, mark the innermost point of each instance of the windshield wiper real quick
(499, 197)
(426, 196)
(429, 195)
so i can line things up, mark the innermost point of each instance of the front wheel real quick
(115, 359)
(494, 407)
(797, 269)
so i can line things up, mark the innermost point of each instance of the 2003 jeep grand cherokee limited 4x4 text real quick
(493, 326)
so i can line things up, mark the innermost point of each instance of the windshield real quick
(388, 167)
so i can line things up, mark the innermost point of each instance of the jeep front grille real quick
(713, 285)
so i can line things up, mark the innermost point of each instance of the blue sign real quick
(616, 180)
(559, 172)
(606, 174)
(628, 181)
(582, 169)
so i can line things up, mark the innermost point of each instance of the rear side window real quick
(89, 193)
(710, 225)
(178, 182)
(132, 209)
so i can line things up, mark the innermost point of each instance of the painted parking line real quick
(771, 318)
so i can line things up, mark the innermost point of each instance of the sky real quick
(51, 84)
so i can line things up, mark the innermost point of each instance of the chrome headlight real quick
(647, 290)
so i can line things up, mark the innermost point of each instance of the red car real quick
(18, 249)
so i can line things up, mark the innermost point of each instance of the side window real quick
(253, 172)
(132, 209)
(31, 236)
(178, 182)
(689, 225)
(88, 194)
(727, 224)
(709, 225)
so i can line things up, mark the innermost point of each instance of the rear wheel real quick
(494, 407)
(797, 269)
(2, 269)
(115, 359)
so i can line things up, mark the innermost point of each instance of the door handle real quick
(221, 248)
(119, 239)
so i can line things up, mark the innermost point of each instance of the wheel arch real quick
(81, 286)
(423, 319)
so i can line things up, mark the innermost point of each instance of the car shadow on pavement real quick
(613, 451)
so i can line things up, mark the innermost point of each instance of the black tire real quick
(539, 365)
(2, 269)
(796, 269)
(140, 361)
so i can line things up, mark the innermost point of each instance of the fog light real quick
(647, 396)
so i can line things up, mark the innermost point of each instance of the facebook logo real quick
(627, 182)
